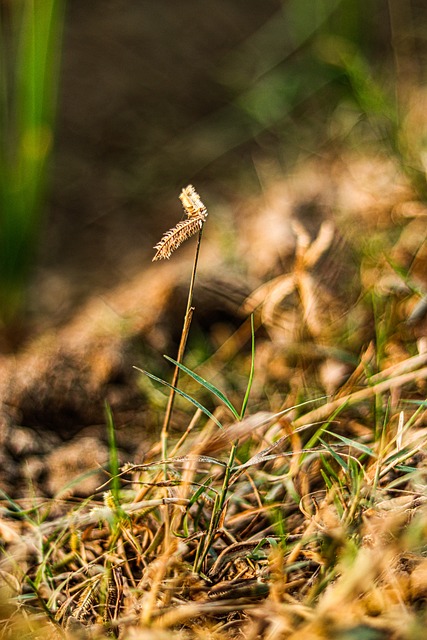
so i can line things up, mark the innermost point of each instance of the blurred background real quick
(110, 107)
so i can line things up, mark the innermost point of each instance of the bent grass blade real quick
(183, 394)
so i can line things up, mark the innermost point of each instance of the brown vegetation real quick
(306, 517)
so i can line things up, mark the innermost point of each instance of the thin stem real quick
(218, 508)
(184, 335)
(168, 414)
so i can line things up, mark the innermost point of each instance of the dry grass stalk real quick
(269, 297)
(322, 413)
(197, 214)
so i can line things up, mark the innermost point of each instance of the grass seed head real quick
(196, 216)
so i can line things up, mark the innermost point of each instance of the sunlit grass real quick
(306, 521)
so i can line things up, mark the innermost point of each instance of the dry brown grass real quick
(305, 518)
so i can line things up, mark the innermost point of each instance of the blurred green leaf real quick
(30, 44)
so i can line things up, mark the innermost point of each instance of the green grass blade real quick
(328, 482)
(251, 373)
(207, 385)
(113, 455)
(335, 456)
(182, 394)
(16, 510)
(422, 403)
(200, 491)
(324, 427)
(353, 443)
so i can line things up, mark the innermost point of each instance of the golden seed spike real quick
(196, 216)
(193, 206)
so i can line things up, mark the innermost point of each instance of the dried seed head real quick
(193, 206)
(196, 216)
(174, 238)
